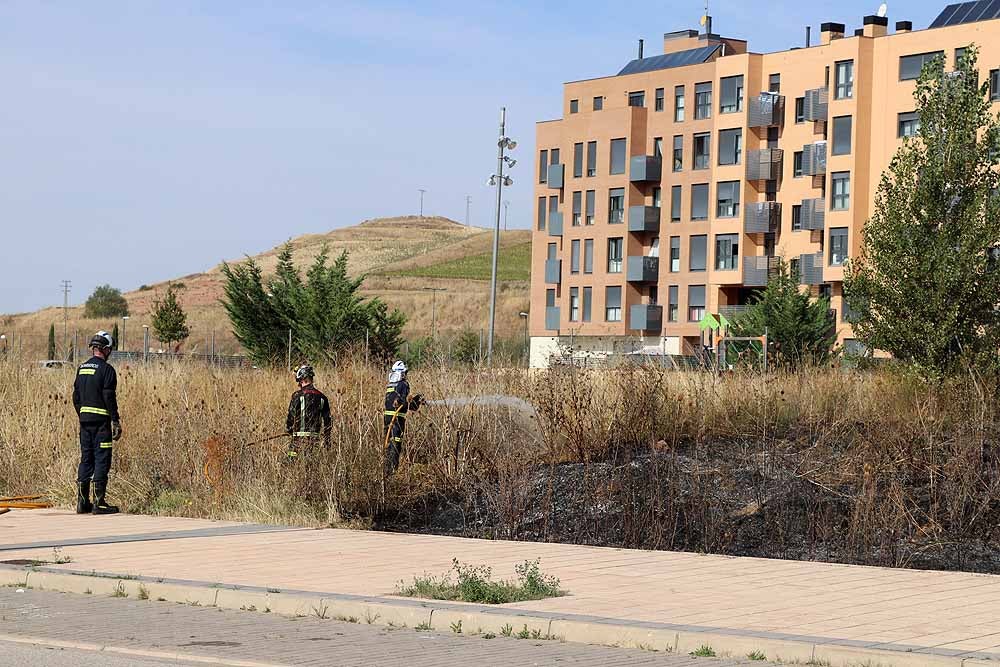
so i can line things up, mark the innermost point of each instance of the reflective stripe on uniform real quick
(87, 371)
(106, 445)
(397, 438)
(389, 390)
(305, 434)
(94, 411)
(302, 413)
(395, 413)
(291, 454)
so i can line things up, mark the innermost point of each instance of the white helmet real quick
(102, 340)
(400, 367)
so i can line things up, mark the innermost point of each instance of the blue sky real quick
(146, 140)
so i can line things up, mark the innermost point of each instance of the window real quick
(826, 77)
(774, 83)
(910, 66)
(727, 252)
(587, 300)
(617, 156)
(793, 268)
(960, 55)
(908, 124)
(553, 206)
(727, 199)
(678, 104)
(598, 103)
(657, 197)
(702, 148)
(699, 201)
(672, 303)
(616, 206)
(577, 160)
(577, 205)
(843, 80)
(613, 304)
(615, 255)
(678, 153)
(637, 99)
(841, 136)
(730, 146)
(675, 203)
(654, 247)
(658, 100)
(552, 250)
(696, 303)
(591, 198)
(658, 146)
(698, 252)
(574, 256)
(731, 94)
(841, 191)
(574, 304)
(554, 156)
(994, 85)
(543, 165)
(591, 158)
(702, 100)
(574, 106)
(838, 246)
(588, 255)
(675, 254)
(654, 294)
(796, 217)
(800, 109)
(797, 164)
(541, 214)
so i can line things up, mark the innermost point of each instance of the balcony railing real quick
(764, 164)
(552, 318)
(761, 217)
(811, 269)
(814, 158)
(643, 219)
(813, 214)
(642, 269)
(816, 104)
(645, 317)
(766, 110)
(732, 312)
(645, 169)
(556, 176)
(553, 271)
(757, 270)
(616, 216)
(555, 223)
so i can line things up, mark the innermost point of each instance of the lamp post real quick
(527, 356)
(504, 143)
(121, 343)
(421, 191)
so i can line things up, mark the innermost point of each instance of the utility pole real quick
(499, 180)
(421, 191)
(66, 285)
(434, 291)
(468, 204)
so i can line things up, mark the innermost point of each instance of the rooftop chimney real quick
(808, 36)
(904, 26)
(708, 24)
(876, 26)
(640, 49)
(830, 31)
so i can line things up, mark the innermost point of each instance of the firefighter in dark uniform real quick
(397, 403)
(96, 403)
(308, 415)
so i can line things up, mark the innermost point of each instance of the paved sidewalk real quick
(931, 613)
(165, 629)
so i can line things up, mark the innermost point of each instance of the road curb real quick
(477, 619)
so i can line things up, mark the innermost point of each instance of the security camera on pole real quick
(499, 180)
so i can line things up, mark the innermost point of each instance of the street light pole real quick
(498, 179)
(527, 353)
(422, 191)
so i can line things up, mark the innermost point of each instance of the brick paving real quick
(235, 635)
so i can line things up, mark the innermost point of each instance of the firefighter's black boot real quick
(83, 504)
(101, 505)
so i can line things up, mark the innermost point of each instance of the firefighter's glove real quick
(416, 401)
(116, 431)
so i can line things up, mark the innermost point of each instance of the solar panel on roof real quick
(945, 16)
(669, 60)
(967, 12)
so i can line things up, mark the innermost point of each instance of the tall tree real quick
(52, 342)
(105, 301)
(169, 319)
(926, 284)
(799, 327)
(114, 337)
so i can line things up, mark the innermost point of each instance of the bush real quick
(475, 584)
(104, 302)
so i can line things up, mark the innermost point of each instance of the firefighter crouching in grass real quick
(308, 417)
(397, 403)
(96, 402)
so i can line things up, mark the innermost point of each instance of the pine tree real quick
(114, 337)
(169, 319)
(799, 329)
(926, 284)
(52, 342)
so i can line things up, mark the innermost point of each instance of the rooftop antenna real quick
(883, 9)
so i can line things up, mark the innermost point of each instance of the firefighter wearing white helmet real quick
(96, 402)
(397, 403)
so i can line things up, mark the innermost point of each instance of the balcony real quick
(553, 271)
(556, 176)
(766, 110)
(813, 214)
(811, 269)
(764, 164)
(552, 318)
(643, 219)
(814, 159)
(645, 169)
(555, 223)
(645, 317)
(761, 217)
(757, 270)
(642, 269)
(816, 105)
(732, 313)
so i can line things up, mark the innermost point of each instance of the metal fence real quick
(220, 360)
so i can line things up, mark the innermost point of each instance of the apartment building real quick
(667, 191)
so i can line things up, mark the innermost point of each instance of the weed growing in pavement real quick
(59, 558)
(703, 651)
(422, 627)
(346, 619)
(475, 584)
(119, 591)
(507, 630)
(143, 592)
(252, 607)
(370, 618)
(756, 655)
(395, 626)
(489, 635)
(524, 633)
(321, 612)
(457, 627)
